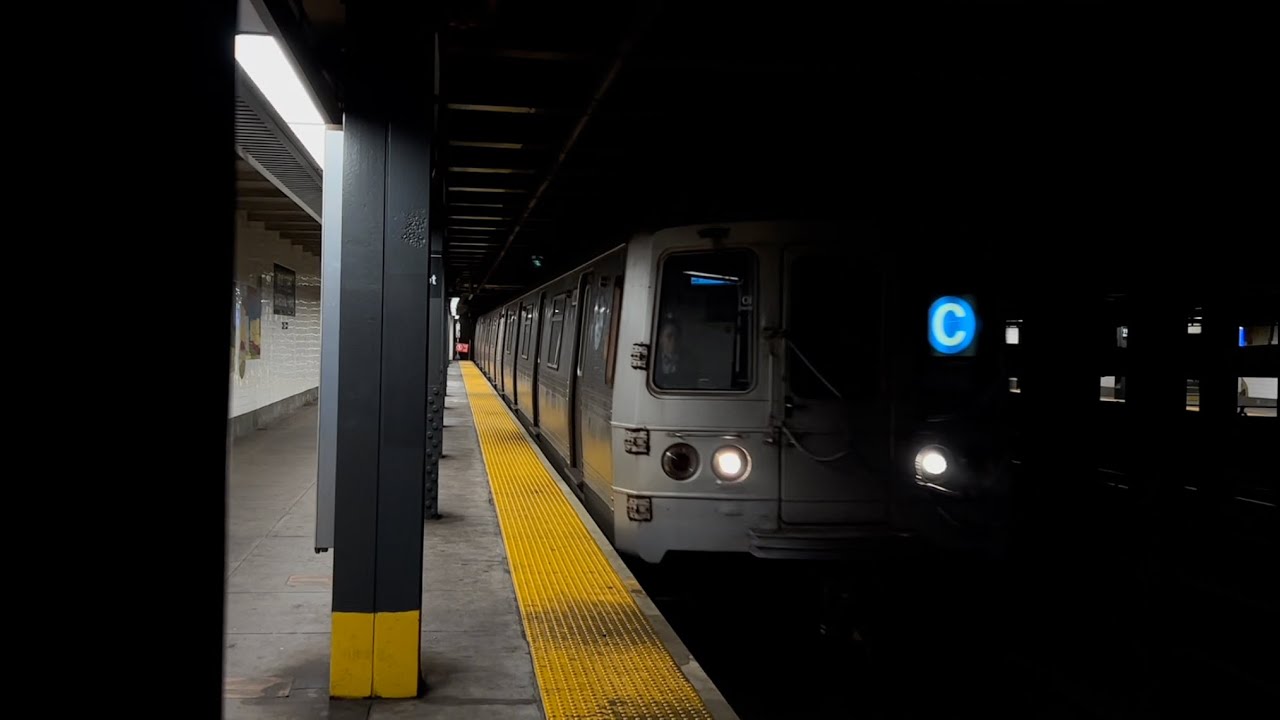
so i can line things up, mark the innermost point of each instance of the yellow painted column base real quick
(351, 655)
(375, 654)
(397, 648)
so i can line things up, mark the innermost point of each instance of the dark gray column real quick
(382, 391)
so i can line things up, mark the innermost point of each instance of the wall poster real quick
(253, 307)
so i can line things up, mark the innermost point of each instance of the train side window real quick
(1259, 334)
(1012, 332)
(526, 318)
(585, 311)
(511, 331)
(1111, 388)
(612, 355)
(705, 330)
(557, 331)
(1256, 396)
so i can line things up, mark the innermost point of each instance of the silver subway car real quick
(700, 393)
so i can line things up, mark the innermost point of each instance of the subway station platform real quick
(526, 610)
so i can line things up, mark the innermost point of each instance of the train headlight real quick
(730, 463)
(680, 461)
(932, 464)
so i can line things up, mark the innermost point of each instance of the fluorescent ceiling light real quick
(264, 61)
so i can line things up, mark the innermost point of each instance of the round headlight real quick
(680, 461)
(932, 463)
(730, 463)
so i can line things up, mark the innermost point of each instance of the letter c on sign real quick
(952, 325)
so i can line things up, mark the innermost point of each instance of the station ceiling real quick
(566, 126)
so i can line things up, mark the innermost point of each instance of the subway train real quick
(757, 387)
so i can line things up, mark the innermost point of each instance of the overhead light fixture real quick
(266, 64)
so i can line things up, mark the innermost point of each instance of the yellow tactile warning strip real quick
(595, 654)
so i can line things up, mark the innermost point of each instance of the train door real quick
(832, 415)
(488, 345)
(536, 333)
(594, 398)
(495, 334)
(509, 370)
(520, 356)
(499, 357)
(584, 305)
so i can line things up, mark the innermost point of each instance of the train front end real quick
(784, 392)
(694, 458)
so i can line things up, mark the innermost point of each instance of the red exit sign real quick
(464, 347)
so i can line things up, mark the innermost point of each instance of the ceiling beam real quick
(265, 202)
(259, 184)
(307, 226)
(487, 145)
(624, 51)
(479, 189)
(269, 192)
(490, 170)
(506, 109)
(518, 54)
(279, 215)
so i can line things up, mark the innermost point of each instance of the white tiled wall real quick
(290, 361)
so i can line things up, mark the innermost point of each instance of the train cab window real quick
(704, 332)
(557, 331)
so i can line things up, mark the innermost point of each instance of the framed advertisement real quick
(284, 300)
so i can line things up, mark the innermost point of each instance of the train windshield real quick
(705, 315)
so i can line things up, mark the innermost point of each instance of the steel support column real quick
(437, 367)
(330, 287)
(382, 390)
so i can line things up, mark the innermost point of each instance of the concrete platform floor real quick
(475, 656)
